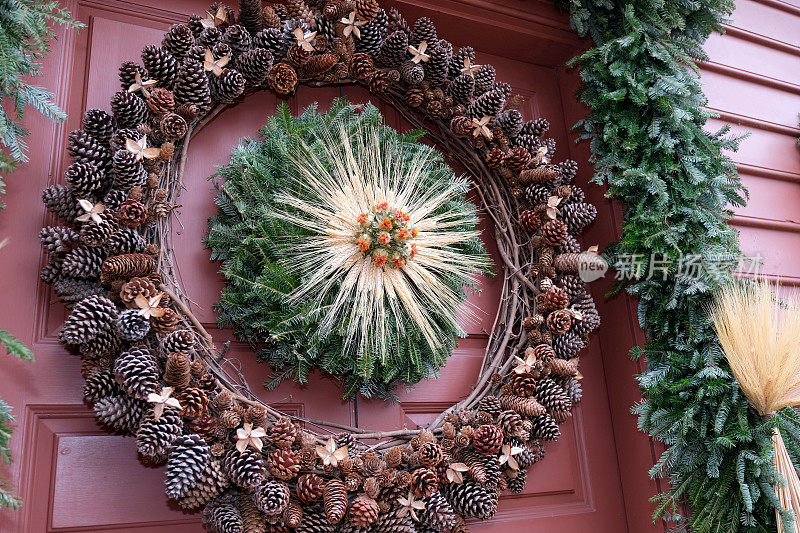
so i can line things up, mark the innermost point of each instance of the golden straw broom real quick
(761, 341)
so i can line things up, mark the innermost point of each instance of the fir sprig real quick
(646, 129)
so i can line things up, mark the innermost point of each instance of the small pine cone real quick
(561, 367)
(559, 322)
(411, 73)
(120, 413)
(194, 402)
(461, 126)
(552, 396)
(363, 511)
(246, 469)
(372, 465)
(132, 213)
(353, 481)
(529, 220)
(424, 30)
(98, 124)
(81, 263)
(319, 64)
(361, 66)
(272, 497)
(523, 385)
(379, 82)
(529, 407)
(127, 74)
(204, 426)
(545, 428)
(542, 352)
(173, 126)
(129, 110)
(131, 326)
(553, 232)
(555, 298)
(367, 9)
(283, 433)
(88, 320)
(334, 497)
(284, 463)
(256, 415)
(83, 148)
(457, 62)
(223, 400)
(166, 322)
(84, 179)
(134, 288)
(510, 422)
(537, 175)
(424, 482)
(372, 487)
(495, 158)
(161, 101)
(429, 454)
(228, 86)
(518, 159)
(309, 487)
(188, 457)
(255, 65)
(297, 56)
(490, 404)
(483, 417)
(393, 457)
(282, 79)
(415, 97)
(198, 369)
(230, 419)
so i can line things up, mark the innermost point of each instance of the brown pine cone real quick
(283, 433)
(495, 158)
(372, 465)
(282, 79)
(524, 406)
(367, 9)
(402, 479)
(205, 426)
(319, 64)
(293, 515)
(372, 487)
(487, 438)
(223, 400)
(363, 511)
(529, 220)
(379, 82)
(461, 126)
(176, 373)
(126, 266)
(415, 97)
(554, 232)
(284, 463)
(558, 322)
(134, 288)
(361, 66)
(188, 111)
(393, 457)
(309, 487)
(537, 175)
(510, 423)
(556, 298)
(523, 385)
(429, 454)
(334, 496)
(434, 110)
(482, 417)
(353, 481)
(230, 419)
(542, 352)
(532, 322)
(256, 415)
(562, 367)
(166, 322)
(161, 101)
(193, 402)
(298, 56)
(132, 214)
(425, 481)
(173, 126)
(518, 158)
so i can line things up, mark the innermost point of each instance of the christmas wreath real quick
(346, 247)
(151, 368)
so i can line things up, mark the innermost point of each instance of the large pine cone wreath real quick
(152, 370)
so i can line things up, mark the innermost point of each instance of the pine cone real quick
(529, 220)
(96, 234)
(394, 49)
(132, 213)
(436, 67)
(222, 517)
(319, 64)
(181, 340)
(553, 232)
(120, 413)
(424, 482)
(411, 73)
(284, 463)
(178, 40)
(238, 38)
(131, 326)
(424, 30)
(488, 104)
(127, 74)
(379, 82)
(524, 406)
(188, 458)
(209, 485)
(471, 500)
(523, 385)
(129, 110)
(88, 319)
(155, 436)
(128, 172)
(510, 422)
(518, 158)
(127, 266)
(559, 322)
(373, 33)
(461, 126)
(255, 65)
(283, 433)
(228, 86)
(487, 439)
(166, 322)
(271, 497)
(83, 148)
(578, 215)
(309, 487)
(272, 39)
(194, 402)
(161, 101)
(293, 515)
(160, 65)
(137, 372)
(545, 428)
(429, 454)
(246, 469)
(59, 200)
(98, 124)
(191, 86)
(282, 79)
(84, 179)
(134, 288)
(334, 496)
(461, 88)
(361, 66)
(250, 15)
(100, 384)
(363, 511)
(83, 263)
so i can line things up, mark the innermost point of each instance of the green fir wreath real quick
(346, 246)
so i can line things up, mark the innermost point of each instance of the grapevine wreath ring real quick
(152, 370)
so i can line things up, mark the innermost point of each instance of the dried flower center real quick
(386, 236)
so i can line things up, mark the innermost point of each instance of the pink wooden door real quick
(75, 477)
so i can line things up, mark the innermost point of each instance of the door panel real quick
(75, 477)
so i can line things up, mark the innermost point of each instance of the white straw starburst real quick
(340, 175)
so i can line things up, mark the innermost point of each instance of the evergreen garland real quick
(649, 147)
(281, 243)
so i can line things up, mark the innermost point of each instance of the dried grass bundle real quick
(761, 340)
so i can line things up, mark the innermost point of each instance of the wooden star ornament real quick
(455, 472)
(305, 40)
(481, 128)
(215, 19)
(352, 25)
(410, 505)
(143, 86)
(525, 366)
(469, 68)
(419, 53)
(148, 307)
(330, 454)
(93, 211)
(249, 436)
(507, 454)
(140, 148)
(217, 66)
(160, 401)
